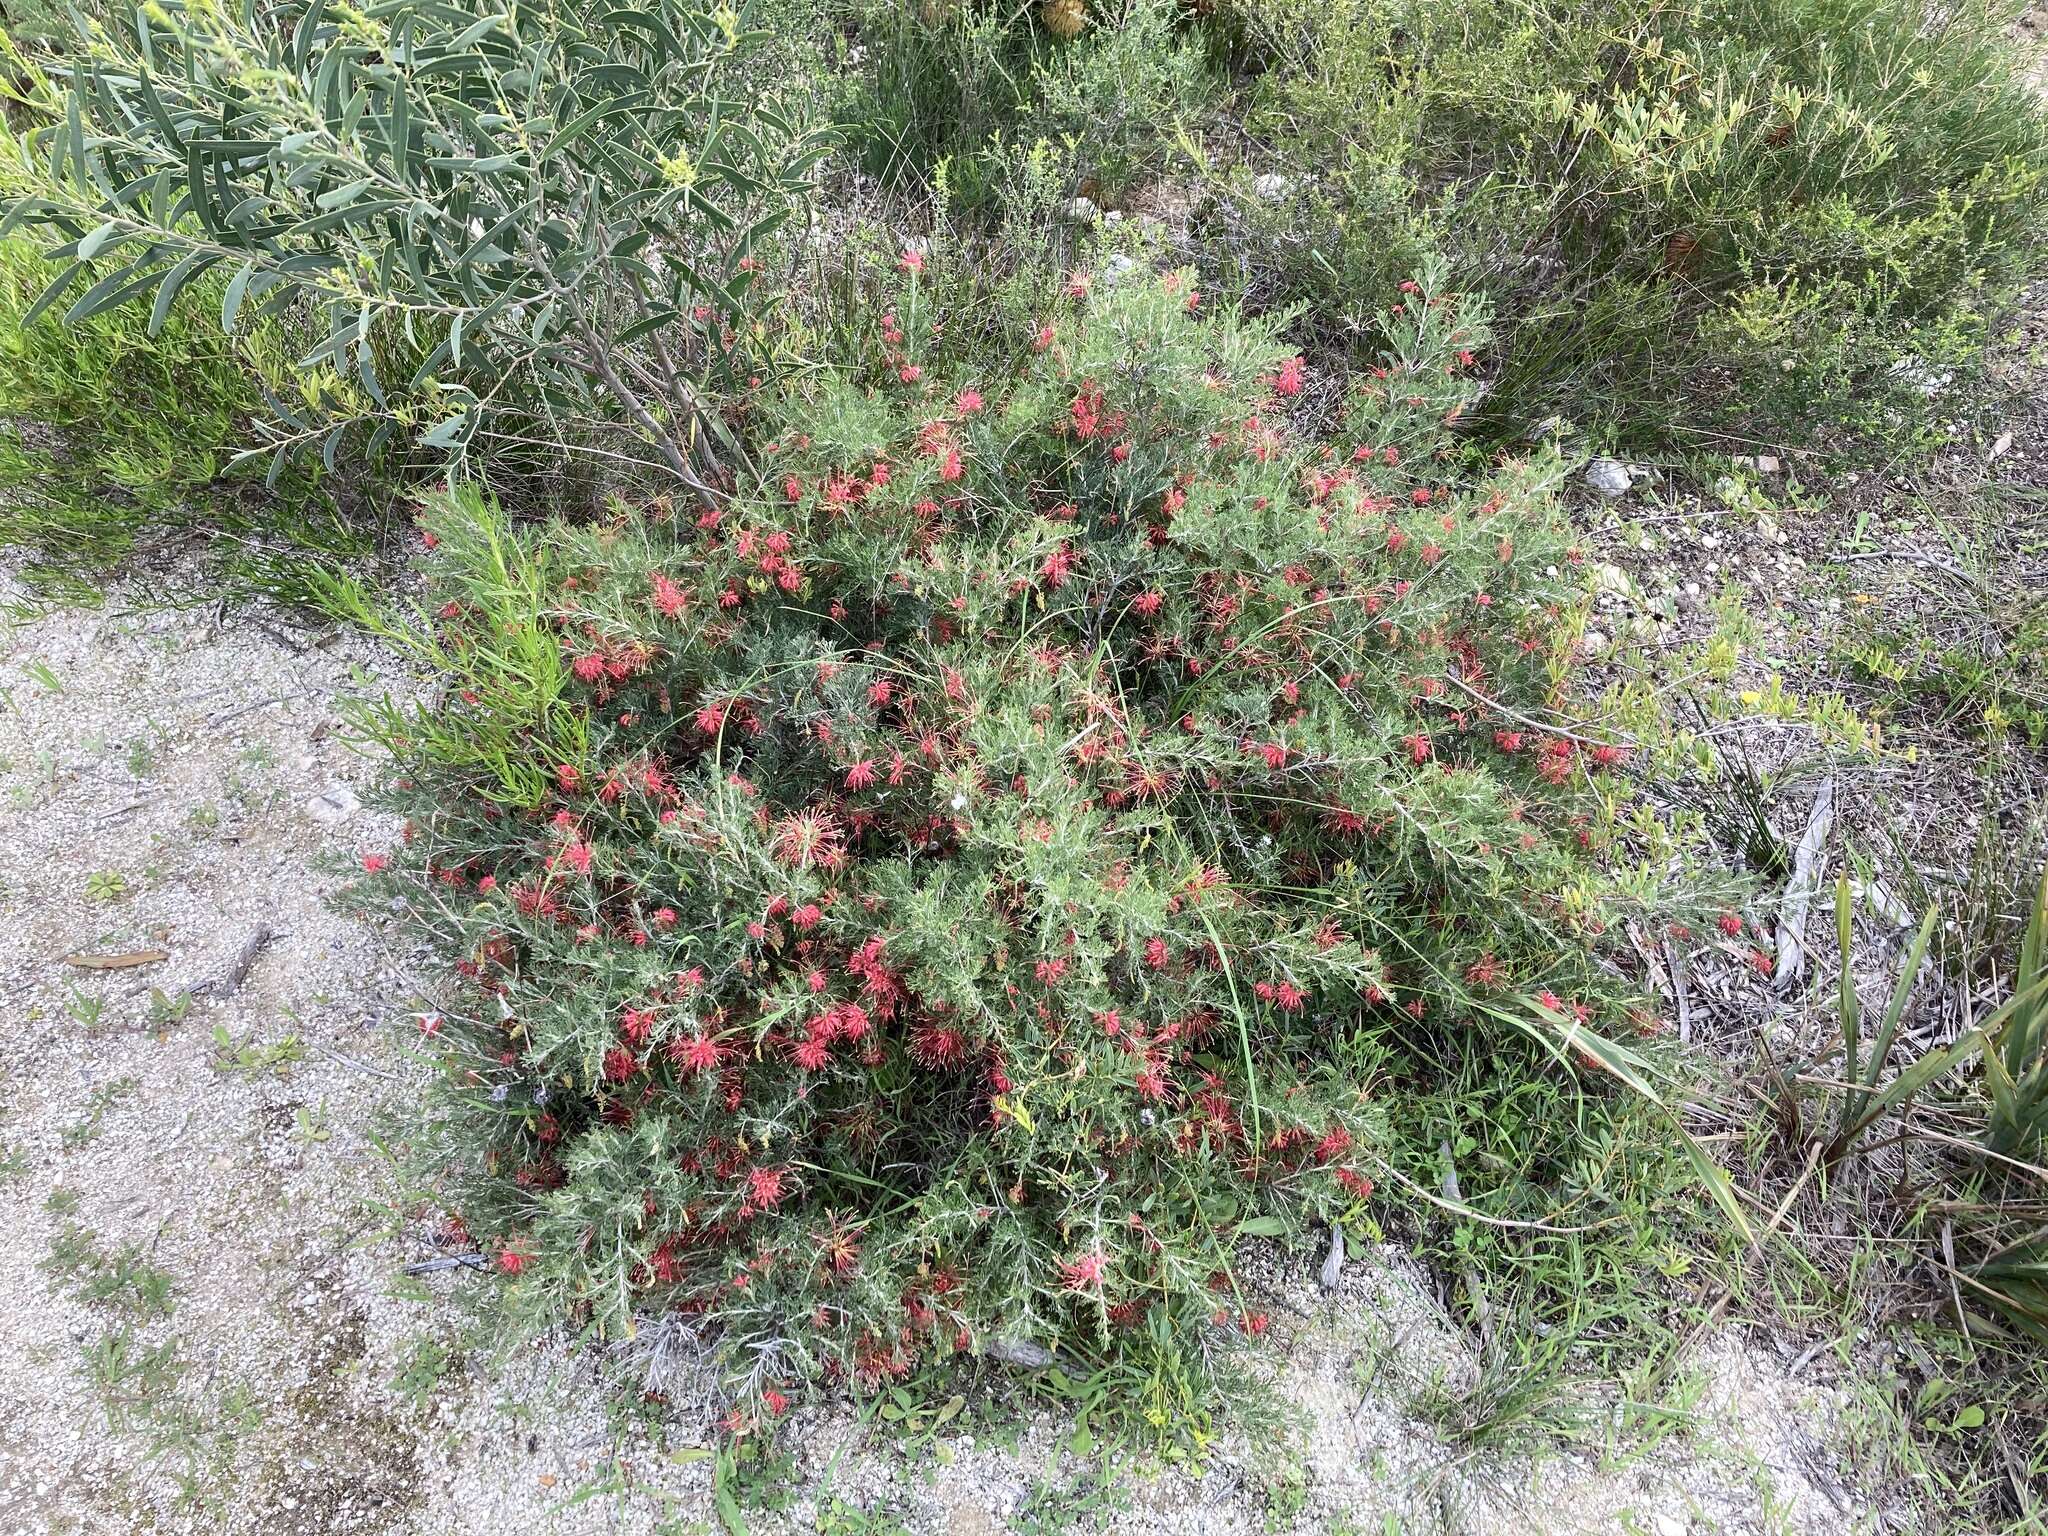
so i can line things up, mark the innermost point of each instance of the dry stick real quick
(455, 1261)
(1534, 725)
(361, 1066)
(281, 698)
(1459, 1208)
(1799, 890)
(227, 985)
(1948, 1258)
(1936, 562)
(1679, 994)
(1333, 1261)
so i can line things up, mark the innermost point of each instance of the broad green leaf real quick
(51, 294)
(342, 196)
(231, 301)
(167, 293)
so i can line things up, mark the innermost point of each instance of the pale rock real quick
(1608, 479)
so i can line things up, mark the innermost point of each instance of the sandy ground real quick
(175, 784)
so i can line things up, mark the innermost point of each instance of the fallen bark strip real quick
(230, 982)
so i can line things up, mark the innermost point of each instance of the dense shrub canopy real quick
(963, 877)
(1787, 216)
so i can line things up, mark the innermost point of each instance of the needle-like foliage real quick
(988, 836)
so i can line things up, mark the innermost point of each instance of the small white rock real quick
(337, 802)
(1608, 479)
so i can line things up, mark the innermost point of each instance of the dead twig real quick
(453, 1261)
(361, 1066)
(249, 709)
(1808, 867)
(1681, 997)
(230, 981)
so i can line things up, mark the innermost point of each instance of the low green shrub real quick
(997, 856)
(978, 88)
(1788, 218)
(520, 230)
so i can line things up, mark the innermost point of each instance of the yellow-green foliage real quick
(1709, 213)
(108, 434)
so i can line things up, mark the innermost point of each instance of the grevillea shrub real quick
(936, 900)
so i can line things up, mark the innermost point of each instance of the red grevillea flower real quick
(375, 863)
(1083, 1273)
(938, 1046)
(1288, 380)
(810, 837)
(861, 774)
(696, 1053)
(669, 599)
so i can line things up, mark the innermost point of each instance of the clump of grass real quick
(117, 447)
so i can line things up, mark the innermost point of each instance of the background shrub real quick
(1002, 849)
(1719, 215)
(530, 227)
(979, 86)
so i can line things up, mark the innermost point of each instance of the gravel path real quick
(195, 1051)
